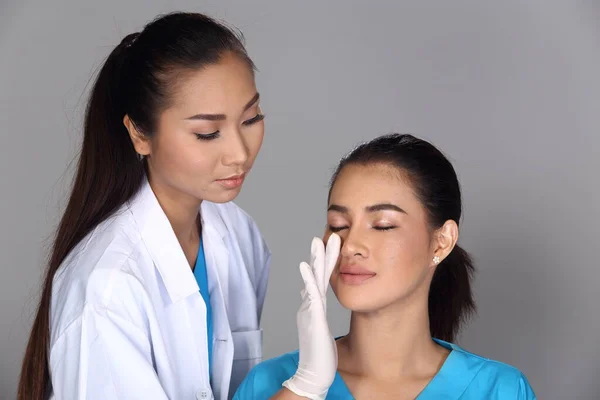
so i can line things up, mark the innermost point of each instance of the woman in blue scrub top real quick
(395, 203)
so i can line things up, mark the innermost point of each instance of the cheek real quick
(202, 163)
(254, 142)
(403, 258)
(185, 158)
(166, 148)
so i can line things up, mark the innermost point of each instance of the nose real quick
(236, 150)
(353, 244)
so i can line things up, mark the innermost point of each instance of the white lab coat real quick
(127, 319)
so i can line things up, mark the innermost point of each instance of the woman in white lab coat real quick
(156, 280)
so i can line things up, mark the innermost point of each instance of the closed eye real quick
(384, 228)
(336, 228)
(207, 136)
(253, 120)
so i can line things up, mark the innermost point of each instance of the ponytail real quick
(136, 80)
(450, 296)
(108, 174)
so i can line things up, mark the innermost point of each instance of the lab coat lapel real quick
(162, 244)
(214, 236)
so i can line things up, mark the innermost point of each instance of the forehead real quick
(358, 186)
(216, 88)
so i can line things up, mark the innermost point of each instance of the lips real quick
(354, 274)
(233, 181)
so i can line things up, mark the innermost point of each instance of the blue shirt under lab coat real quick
(463, 375)
(201, 275)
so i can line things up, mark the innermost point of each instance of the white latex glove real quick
(318, 353)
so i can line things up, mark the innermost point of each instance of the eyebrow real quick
(222, 117)
(373, 208)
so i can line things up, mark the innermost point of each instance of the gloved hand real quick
(318, 353)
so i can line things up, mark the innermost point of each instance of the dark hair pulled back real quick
(436, 185)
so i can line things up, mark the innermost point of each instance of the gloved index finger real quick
(318, 263)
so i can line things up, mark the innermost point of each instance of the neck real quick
(181, 211)
(391, 343)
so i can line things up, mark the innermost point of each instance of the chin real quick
(223, 196)
(357, 298)
(359, 305)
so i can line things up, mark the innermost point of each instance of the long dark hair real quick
(137, 79)
(435, 182)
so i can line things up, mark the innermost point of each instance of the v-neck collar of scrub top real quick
(450, 382)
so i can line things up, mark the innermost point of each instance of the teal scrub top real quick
(201, 275)
(463, 375)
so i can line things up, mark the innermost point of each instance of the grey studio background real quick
(509, 90)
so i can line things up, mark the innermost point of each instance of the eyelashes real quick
(253, 120)
(210, 136)
(384, 228)
(336, 229)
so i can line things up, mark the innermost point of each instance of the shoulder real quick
(496, 378)
(502, 373)
(101, 271)
(506, 380)
(266, 378)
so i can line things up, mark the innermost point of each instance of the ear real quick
(140, 142)
(445, 239)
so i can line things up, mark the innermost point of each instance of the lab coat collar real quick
(212, 219)
(215, 237)
(162, 244)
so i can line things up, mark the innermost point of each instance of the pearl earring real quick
(436, 260)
